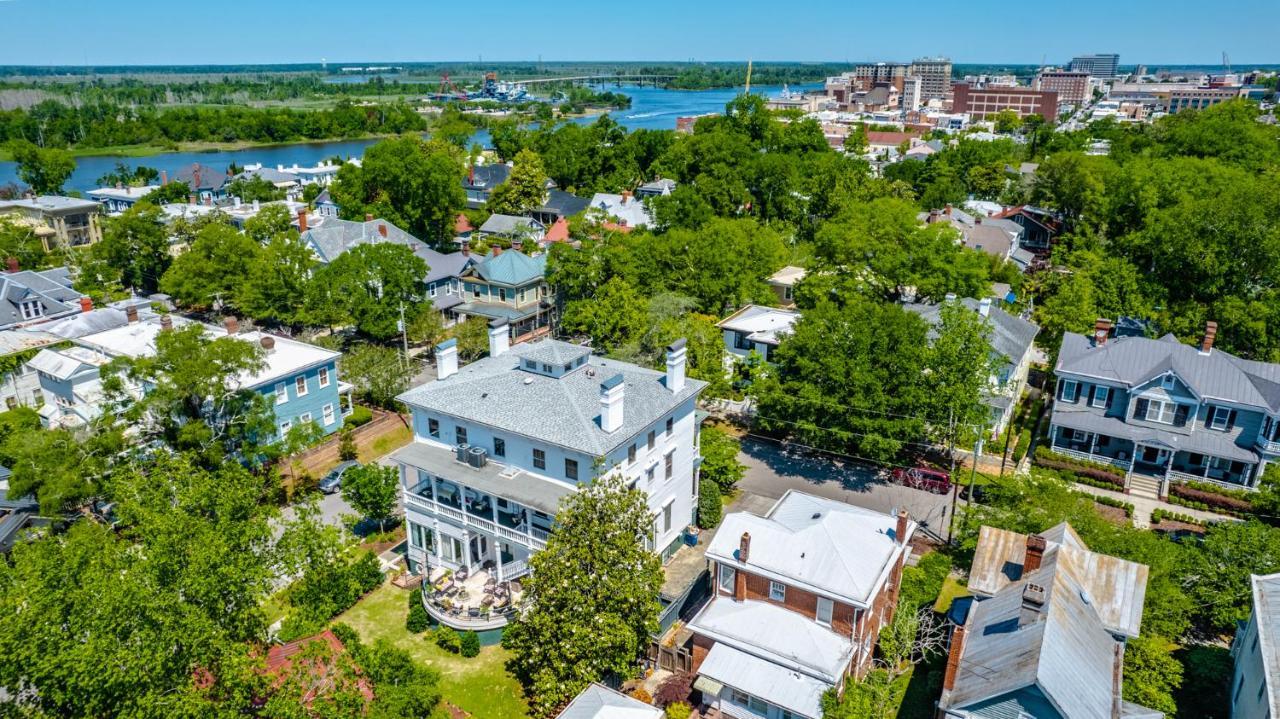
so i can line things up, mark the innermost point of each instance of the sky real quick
(162, 32)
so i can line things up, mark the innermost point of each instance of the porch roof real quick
(494, 479)
(777, 685)
(1209, 442)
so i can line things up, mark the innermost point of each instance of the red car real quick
(930, 480)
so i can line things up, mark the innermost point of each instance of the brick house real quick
(799, 598)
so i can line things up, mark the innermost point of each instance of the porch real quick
(471, 601)
(499, 517)
(1154, 459)
(1093, 447)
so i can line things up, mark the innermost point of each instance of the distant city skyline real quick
(151, 32)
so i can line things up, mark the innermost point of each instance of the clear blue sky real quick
(113, 32)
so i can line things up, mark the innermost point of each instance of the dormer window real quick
(1168, 382)
(31, 309)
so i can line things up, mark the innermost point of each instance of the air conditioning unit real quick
(460, 452)
(477, 457)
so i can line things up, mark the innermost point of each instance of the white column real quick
(1093, 443)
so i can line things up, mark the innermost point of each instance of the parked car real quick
(332, 481)
(930, 480)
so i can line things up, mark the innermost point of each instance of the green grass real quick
(952, 589)
(480, 685)
(386, 443)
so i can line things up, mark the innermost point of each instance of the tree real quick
(1220, 571)
(271, 288)
(378, 285)
(212, 270)
(959, 376)
(612, 318)
(254, 189)
(710, 509)
(427, 328)
(44, 169)
(720, 458)
(126, 176)
(19, 240)
(62, 469)
(165, 194)
(473, 337)
(525, 188)
(414, 183)
(378, 373)
(1151, 674)
(135, 245)
(347, 449)
(372, 490)
(595, 565)
(1006, 121)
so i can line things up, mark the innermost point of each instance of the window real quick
(1160, 411)
(571, 468)
(739, 697)
(631, 454)
(668, 468)
(459, 435)
(666, 518)
(433, 427)
(431, 290)
(777, 591)
(728, 575)
(546, 368)
(671, 423)
(285, 426)
(539, 459)
(300, 386)
(825, 609)
(648, 473)
(1219, 418)
(741, 342)
(327, 413)
(324, 376)
(652, 437)
(499, 447)
(1069, 389)
(419, 536)
(1168, 381)
(1100, 396)
(568, 366)
(502, 294)
(304, 418)
(32, 309)
(530, 364)
(282, 393)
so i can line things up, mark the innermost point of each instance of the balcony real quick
(1268, 446)
(475, 602)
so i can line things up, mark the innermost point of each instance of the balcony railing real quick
(1185, 477)
(1099, 458)
(1268, 446)
(536, 538)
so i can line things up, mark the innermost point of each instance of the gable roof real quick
(600, 702)
(486, 177)
(776, 634)
(1133, 361)
(828, 547)
(762, 324)
(200, 177)
(509, 224)
(330, 236)
(1266, 616)
(564, 410)
(563, 204)
(629, 211)
(440, 265)
(50, 289)
(511, 267)
(1011, 336)
(559, 231)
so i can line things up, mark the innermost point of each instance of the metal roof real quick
(601, 702)
(780, 636)
(777, 685)
(762, 324)
(563, 410)
(1266, 615)
(511, 267)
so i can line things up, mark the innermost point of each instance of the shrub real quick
(679, 710)
(710, 510)
(448, 639)
(922, 583)
(360, 415)
(1118, 503)
(1024, 443)
(1160, 515)
(469, 644)
(1211, 499)
(1086, 470)
(640, 694)
(673, 690)
(345, 634)
(366, 574)
(347, 444)
(418, 620)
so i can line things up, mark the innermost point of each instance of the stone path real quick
(1144, 506)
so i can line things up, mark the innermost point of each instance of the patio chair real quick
(474, 612)
(461, 574)
(491, 581)
(486, 601)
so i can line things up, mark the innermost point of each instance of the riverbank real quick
(152, 150)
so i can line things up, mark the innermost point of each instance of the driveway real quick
(771, 472)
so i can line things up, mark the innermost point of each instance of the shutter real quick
(1231, 419)
(1111, 397)
(1180, 415)
(1140, 410)
(1208, 417)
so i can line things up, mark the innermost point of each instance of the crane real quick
(1226, 62)
(748, 76)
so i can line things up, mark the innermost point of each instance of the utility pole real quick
(404, 335)
(955, 490)
(973, 471)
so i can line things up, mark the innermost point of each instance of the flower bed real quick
(1096, 475)
(1207, 499)
(1117, 503)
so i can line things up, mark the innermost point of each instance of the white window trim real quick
(300, 385)
(1070, 390)
(777, 591)
(727, 574)
(285, 426)
(282, 392)
(328, 414)
(1221, 418)
(304, 418)
(323, 374)
(1172, 408)
(1168, 381)
(831, 611)
(1100, 402)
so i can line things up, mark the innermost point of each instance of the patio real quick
(470, 601)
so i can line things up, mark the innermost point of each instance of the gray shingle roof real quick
(508, 224)
(1011, 336)
(1132, 361)
(563, 411)
(440, 265)
(50, 288)
(330, 237)
(200, 177)
(563, 204)
(599, 702)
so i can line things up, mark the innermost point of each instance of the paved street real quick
(771, 472)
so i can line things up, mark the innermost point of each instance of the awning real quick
(707, 685)
(791, 690)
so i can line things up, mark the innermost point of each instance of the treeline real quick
(54, 124)
(705, 77)
(225, 91)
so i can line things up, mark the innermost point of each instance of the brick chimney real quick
(302, 221)
(466, 249)
(1035, 554)
(1210, 333)
(131, 314)
(382, 230)
(744, 547)
(900, 531)
(86, 304)
(192, 199)
(232, 325)
(1101, 331)
(497, 250)
(1032, 604)
(626, 197)
(947, 210)
(955, 651)
(268, 342)
(164, 178)
(368, 217)
(166, 322)
(12, 263)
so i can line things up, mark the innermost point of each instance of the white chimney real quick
(446, 359)
(499, 338)
(951, 297)
(611, 391)
(676, 354)
(256, 205)
(984, 307)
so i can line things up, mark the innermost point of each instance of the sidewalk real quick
(1143, 507)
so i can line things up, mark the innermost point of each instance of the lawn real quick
(480, 686)
(952, 589)
(387, 443)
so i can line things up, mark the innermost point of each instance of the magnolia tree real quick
(593, 596)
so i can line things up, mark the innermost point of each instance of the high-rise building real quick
(1072, 86)
(1098, 65)
(935, 76)
(981, 103)
(870, 74)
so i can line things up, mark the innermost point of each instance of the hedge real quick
(1159, 515)
(710, 509)
(1213, 500)
(359, 415)
(1117, 503)
(469, 644)
(1024, 443)
(1088, 470)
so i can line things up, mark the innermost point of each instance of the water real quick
(651, 108)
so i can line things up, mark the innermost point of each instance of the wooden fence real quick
(313, 463)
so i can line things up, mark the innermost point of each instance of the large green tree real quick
(960, 374)
(595, 565)
(614, 316)
(46, 170)
(277, 288)
(525, 188)
(212, 270)
(135, 246)
(378, 285)
(378, 373)
(372, 489)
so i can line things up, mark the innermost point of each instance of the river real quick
(651, 107)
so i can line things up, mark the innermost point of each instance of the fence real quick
(313, 462)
